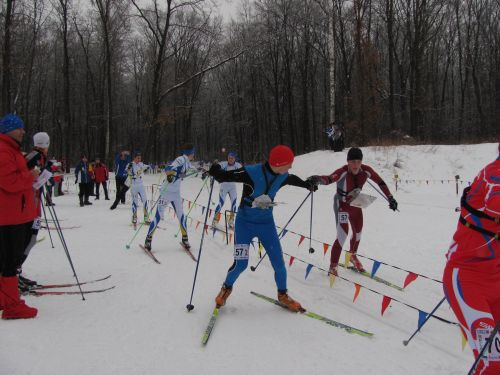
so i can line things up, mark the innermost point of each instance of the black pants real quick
(105, 188)
(13, 241)
(83, 193)
(120, 184)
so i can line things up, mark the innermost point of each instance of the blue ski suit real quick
(251, 222)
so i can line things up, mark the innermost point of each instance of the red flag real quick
(385, 303)
(206, 229)
(210, 213)
(291, 261)
(410, 278)
(301, 239)
(325, 248)
(356, 292)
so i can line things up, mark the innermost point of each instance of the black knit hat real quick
(355, 154)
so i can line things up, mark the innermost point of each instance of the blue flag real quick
(308, 269)
(376, 265)
(422, 315)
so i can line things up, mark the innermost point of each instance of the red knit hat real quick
(280, 155)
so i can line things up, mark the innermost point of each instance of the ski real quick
(40, 239)
(188, 251)
(52, 286)
(310, 314)
(210, 326)
(150, 254)
(54, 228)
(58, 293)
(376, 278)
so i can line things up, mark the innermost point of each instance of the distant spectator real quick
(82, 179)
(101, 178)
(121, 162)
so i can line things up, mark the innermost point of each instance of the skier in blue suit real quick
(255, 217)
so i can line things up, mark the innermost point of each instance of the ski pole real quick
(378, 191)
(47, 224)
(311, 249)
(282, 230)
(195, 199)
(57, 224)
(190, 305)
(486, 344)
(405, 342)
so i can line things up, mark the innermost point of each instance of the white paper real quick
(42, 179)
(362, 200)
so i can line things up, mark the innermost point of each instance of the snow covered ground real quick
(142, 327)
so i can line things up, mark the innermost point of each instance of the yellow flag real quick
(332, 279)
(464, 340)
(347, 258)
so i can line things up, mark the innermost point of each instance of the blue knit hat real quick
(232, 154)
(10, 122)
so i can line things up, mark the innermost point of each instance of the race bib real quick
(241, 252)
(493, 350)
(343, 217)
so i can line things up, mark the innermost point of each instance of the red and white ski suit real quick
(471, 278)
(344, 212)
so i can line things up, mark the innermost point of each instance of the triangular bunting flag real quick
(218, 216)
(301, 239)
(202, 210)
(409, 278)
(283, 233)
(376, 265)
(332, 279)
(210, 213)
(325, 248)
(356, 292)
(230, 237)
(385, 303)
(189, 204)
(347, 258)
(206, 229)
(260, 249)
(197, 224)
(308, 269)
(422, 315)
(213, 231)
(291, 261)
(464, 339)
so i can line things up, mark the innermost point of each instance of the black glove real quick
(214, 169)
(204, 175)
(393, 205)
(33, 159)
(311, 185)
(316, 180)
(171, 178)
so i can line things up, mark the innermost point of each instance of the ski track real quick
(142, 326)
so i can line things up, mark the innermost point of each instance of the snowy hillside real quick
(142, 327)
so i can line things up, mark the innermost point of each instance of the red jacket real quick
(17, 203)
(100, 172)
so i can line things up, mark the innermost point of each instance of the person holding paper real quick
(350, 180)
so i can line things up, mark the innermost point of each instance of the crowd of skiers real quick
(471, 278)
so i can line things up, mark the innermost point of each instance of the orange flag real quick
(385, 303)
(230, 237)
(325, 248)
(356, 292)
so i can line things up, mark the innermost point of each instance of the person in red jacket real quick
(16, 215)
(101, 177)
(471, 278)
(350, 180)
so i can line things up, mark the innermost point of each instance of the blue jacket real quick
(81, 173)
(121, 166)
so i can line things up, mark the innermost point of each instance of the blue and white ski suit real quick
(253, 222)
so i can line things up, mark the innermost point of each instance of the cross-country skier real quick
(350, 180)
(135, 170)
(121, 162)
(471, 278)
(170, 192)
(227, 188)
(255, 218)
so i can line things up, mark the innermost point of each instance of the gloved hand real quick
(32, 159)
(316, 180)
(214, 169)
(171, 178)
(393, 205)
(204, 175)
(311, 185)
